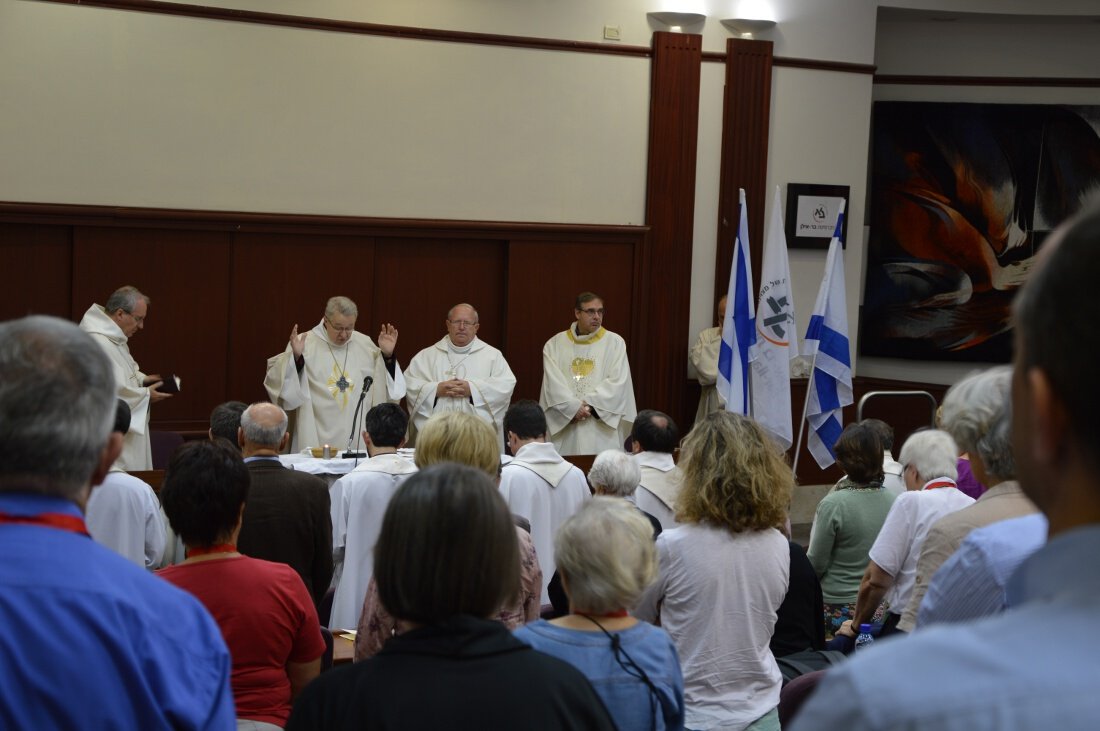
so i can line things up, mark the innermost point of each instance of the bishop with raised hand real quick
(322, 373)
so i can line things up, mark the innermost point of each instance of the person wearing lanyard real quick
(929, 460)
(90, 639)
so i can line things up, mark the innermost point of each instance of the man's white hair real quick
(933, 453)
(616, 472)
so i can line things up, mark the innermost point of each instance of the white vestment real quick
(592, 368)
(656, 493)
(704, 356)
(893, 478)
(123, 514)
(137, 454)
(359, 501)
(323, 409)
(483, 366)
(545, 489)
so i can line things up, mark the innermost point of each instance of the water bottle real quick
(865, 639)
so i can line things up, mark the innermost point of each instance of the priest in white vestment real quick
(111, 326)
(359, 501)
(587, 391)
(460, 373)
(538, 484)
(654, 439)
(704, 356)
(321, 374)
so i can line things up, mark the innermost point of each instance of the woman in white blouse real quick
(724, 573)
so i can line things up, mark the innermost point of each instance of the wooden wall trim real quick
(1040, 81)
(305, 22)
(745, 128)
(843, 67)
(161, 7)
(662, 329)
(115, 216)
(819, 65)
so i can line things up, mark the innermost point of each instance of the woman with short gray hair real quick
(606, 558)
(614, 473)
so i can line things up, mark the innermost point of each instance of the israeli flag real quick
(827, 341)
(739, 327)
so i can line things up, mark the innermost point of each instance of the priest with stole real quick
(322, 373)
(460, 373)
(587, 391)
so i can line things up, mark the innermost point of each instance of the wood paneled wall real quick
(670, 211)
(227, 288)
(745, 128)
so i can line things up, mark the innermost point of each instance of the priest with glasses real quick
(322, 372)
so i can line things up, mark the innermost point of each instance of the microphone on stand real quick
(367, 383)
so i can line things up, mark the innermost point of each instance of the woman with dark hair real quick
(724, 573)
(446, 560)
(847, 521)
(264, 610)
(458, 437)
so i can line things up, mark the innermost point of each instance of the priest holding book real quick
(111, 327)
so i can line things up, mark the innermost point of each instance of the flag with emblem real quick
(830, 387)
(776, 337)
(738, 330)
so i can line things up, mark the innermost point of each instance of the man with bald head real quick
(111, 326)
(286, 519)
(460, 373)
(323, 373)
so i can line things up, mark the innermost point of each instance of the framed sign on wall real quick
(811, 215)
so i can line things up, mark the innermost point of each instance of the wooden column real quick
(745, 125)
(661, 332)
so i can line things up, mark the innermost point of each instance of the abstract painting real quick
(962, 197)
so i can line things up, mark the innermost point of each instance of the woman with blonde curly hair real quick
(724, 573)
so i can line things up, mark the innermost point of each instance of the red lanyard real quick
(940, 483)
(204, 551)
(63, 521)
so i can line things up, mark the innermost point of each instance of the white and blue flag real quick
(776, 336)
(739, 327)
(830, 387)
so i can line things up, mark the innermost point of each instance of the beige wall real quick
(115, 108)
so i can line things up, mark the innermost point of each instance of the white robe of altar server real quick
(593, 368)
(137, 454)
(660, 484)
(323, 413)
(358, 502)
(123, 514)
(482, 365)
(704, 356)
(546, 490)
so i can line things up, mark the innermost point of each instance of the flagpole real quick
(805, 406)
